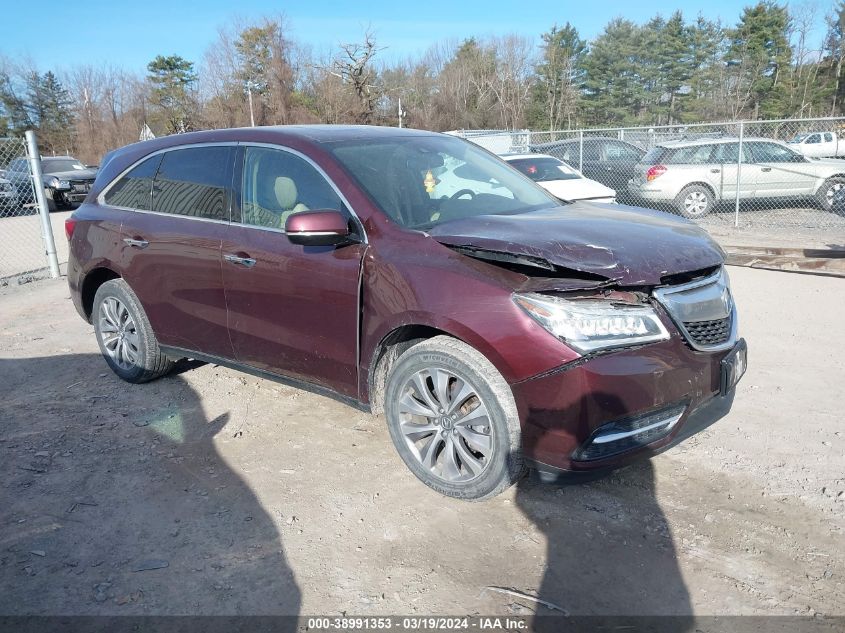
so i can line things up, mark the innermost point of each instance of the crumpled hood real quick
(73, 174)
(632, 246)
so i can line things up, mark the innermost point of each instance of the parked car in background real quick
(694, 176)
(559, 179)
(8, 198)
(609, 161)
(818, 144)
(66, 180)
(495, 328)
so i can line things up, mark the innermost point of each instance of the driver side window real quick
(277, 184)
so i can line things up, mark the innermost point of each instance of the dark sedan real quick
(610, 161)
(66, 180)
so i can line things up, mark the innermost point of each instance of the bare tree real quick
(354, 68)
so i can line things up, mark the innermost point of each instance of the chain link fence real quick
(774, 182)
(23, 251)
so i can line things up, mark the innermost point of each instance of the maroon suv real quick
(417, 275)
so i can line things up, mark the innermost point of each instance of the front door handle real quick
(249, 262)
(715, 171)
(765, 169)
(139, 243)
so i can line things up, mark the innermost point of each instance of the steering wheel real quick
(462, 192)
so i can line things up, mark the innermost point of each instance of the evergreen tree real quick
(760, 53)
(50, 112)
(172, 79)
(614, 90)
(559, 77)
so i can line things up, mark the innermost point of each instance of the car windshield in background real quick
(544, 169)
(422, 182)
(58, 166)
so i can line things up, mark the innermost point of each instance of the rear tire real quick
(695, 201)
(453, 420)
(125, 336)
(828, 190)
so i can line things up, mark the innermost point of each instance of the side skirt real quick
(178, 352)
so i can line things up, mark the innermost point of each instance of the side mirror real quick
(317, 228)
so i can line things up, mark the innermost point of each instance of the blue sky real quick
(129, 35)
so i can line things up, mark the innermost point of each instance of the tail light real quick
(70, 224)
(654, 171)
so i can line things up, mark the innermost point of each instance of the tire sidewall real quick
(116, 288)
(681, 209)
(827, 205)
(497, 475)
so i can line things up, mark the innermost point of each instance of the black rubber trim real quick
(178, 352)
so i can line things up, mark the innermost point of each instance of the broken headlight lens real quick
(588, 325)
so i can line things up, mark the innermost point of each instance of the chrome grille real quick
(703, 310)
(707, 333)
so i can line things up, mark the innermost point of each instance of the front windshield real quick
(798, 138)
(58, 166)
(544, 169)
(420, 182)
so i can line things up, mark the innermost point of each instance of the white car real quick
(559, 179)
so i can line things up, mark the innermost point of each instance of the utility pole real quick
(400, 112)
(249, 96)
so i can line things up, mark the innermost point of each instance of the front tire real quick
(453, 420)
(827, 192)
(695, 202)
(125, 336)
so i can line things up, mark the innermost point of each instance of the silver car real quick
(694, 176)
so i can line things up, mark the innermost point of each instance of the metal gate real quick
(27, 250)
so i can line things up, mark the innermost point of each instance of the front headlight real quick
(588, 325)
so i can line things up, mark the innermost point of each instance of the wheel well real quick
(93, 280)
(700, 184)
(387, 352)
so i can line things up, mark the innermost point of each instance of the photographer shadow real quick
(135, 510)
(609, 546)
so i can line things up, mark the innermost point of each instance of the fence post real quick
(738, 172)
(580, 150)
(43, 210)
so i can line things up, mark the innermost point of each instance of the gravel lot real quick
(214, 492)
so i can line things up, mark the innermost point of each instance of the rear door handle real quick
(139, 243)
(765, 169)
(249, 262)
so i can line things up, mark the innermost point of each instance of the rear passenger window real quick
(134, 190)
(693, 155)
(276, 184)
(194, 182)
(726, 153)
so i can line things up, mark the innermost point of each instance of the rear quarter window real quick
(654, 156)
(134, 190)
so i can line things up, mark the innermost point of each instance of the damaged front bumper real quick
(598, 413)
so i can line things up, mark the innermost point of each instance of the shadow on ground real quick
(119, 497)
(609, 548)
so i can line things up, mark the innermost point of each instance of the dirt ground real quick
(214, 492)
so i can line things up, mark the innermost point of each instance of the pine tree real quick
(172, 80)
(759, 52)
(559, 76)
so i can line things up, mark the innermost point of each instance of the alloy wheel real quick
(118, 333)
(446, 425)
(831, 192)
(696, 203)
